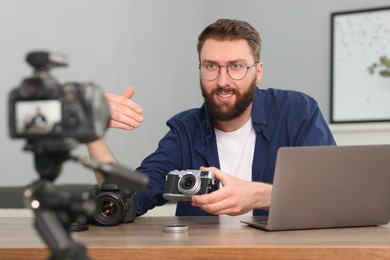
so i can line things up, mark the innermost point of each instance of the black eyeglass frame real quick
(227, 71)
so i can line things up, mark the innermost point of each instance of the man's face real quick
(225, 97)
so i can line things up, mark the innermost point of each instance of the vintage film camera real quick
(42, 108)
(182, 185)
(114, 205)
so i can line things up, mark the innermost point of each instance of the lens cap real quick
(79, 227)
(175, 228)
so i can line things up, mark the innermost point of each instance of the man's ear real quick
(259, 72)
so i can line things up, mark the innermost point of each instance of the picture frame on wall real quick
(360, 66)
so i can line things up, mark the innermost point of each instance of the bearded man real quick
(235, 134)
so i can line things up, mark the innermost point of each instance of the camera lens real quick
(110, 209)
(189, 184)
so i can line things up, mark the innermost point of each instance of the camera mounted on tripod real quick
(54, 118)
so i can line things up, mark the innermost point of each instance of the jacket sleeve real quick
(156, 166)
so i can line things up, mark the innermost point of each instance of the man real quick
(235, 134)
(38, 123)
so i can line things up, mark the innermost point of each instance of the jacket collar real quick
(259, 119)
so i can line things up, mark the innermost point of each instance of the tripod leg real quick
(57, 237)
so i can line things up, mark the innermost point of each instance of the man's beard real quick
(243, 101)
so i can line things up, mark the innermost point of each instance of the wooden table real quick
(207, 238)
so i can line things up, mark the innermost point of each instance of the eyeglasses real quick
(236, 71)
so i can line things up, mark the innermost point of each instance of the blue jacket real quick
(279, 117)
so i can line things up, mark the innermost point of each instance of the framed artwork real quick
(360, 66)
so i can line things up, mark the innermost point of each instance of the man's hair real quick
(227, 29)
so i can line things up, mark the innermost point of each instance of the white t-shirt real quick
(235, 151)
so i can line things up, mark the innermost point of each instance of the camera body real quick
(182, 185)
(42, 108)
(114, 205)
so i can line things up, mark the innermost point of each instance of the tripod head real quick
(50, 154)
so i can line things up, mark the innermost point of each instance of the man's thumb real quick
(128, 93)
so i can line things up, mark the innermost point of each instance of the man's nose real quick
(224, 78)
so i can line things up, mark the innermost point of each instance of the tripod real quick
(54, 214)
(55, 211)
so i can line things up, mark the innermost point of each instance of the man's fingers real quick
(119, 125)
(121, 101)
(223, 177)
(125, 114)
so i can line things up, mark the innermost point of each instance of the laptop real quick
(329, 187)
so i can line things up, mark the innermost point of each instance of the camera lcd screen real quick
(37, 117)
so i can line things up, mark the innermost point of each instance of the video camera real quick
(42, 108)
(54, 118)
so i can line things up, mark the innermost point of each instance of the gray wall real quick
(151, 45)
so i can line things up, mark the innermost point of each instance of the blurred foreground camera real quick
(182, 185)
(42, 108)
(54, 118)
(114, 205)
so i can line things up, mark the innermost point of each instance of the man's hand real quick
(125, 114)
(236, 197)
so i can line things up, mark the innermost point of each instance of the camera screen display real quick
(37, 117)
